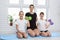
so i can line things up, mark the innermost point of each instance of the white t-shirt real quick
(22, 25)
(41, 25)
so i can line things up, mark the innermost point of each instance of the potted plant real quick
(11, 20)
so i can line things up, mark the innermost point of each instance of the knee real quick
(32, 34)
(37, 34)
(49, 34)
(44, 34)
(19, 35)
(25, 36)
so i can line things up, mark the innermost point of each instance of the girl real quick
(43, 25)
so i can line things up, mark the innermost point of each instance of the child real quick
(43, 25)
(21, 25)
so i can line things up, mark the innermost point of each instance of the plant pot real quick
(11, 24)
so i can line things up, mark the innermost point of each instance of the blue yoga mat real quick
(14, 37)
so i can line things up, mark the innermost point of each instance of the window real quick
(28, 2)
(14, 12)
(16, 5)
(41, 2)
(14, 1)
(26, 10)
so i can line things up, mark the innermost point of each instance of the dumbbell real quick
(51, 23)
(28, 18)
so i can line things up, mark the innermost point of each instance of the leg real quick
(43, 34)
(31, 32)
(25, 35)
(19, 35)
(39, 33)
(36, 32)
(49, 34)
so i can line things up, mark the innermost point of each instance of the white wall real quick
(53, 13)
(4, 27)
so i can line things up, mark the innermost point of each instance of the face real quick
(31, 8)
(41, 16)
(21, 14)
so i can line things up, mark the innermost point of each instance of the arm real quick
(47, 25)
(26, 17)
(36, 21)
(28, 24)
(37, 24)
(17, 28)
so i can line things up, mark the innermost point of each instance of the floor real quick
(55, 36)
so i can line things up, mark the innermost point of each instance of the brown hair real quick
(42, 13)
(31, 5)
(20, 12)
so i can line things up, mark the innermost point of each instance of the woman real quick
(33, 29)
